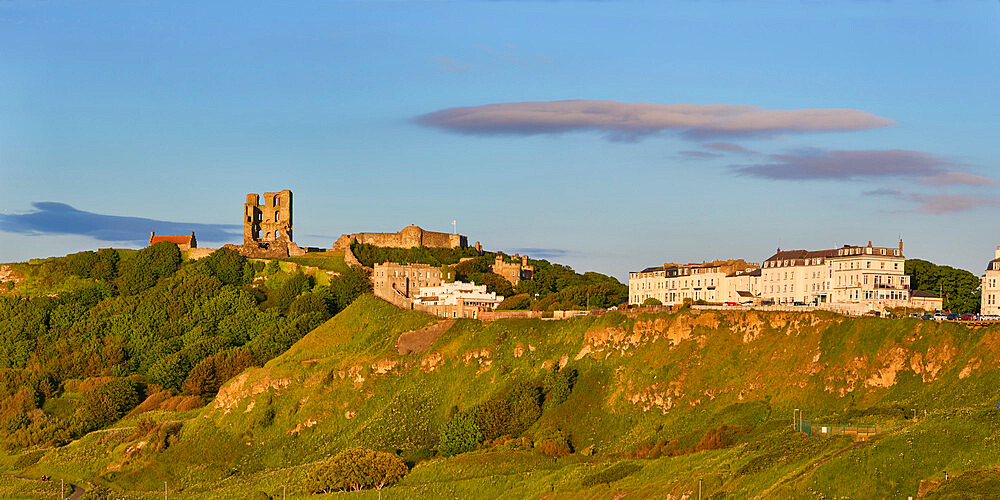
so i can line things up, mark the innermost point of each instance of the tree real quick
(494, 283)
(652, 301)
(106, 404)
(516, 302)
(355, 469)
(229, 266)
(959, 288)
(147, 266)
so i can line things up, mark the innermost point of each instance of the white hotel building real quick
(863, 277)
(719, 281)
(850, 274)
(991, 287)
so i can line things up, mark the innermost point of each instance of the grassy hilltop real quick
(630, 405)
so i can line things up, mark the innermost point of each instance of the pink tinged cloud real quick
(728, 147)
(949, 203)
(632, 121)
(952, 178)
(859, 165)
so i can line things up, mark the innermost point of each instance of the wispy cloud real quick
(814, 164)
(697, 155)
(59, 218)
(937, 203)
(728, 147)
(950, 203)
(452, 65)
(540, 253)
(633, 121)
(957, 178)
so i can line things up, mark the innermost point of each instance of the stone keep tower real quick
(268, 220)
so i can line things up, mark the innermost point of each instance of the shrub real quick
(460, 434)
(272, 267)
(106, 404)
(652, 301)
(553, 442)
(101, 493)
(720, 437)
(611, 474)
(558, 384)
(355, 469)
(27, 459)
(516, 302)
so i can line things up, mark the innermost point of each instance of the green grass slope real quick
(642, 379)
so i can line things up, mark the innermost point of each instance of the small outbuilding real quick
(183, 242)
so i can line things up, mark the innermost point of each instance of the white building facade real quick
(458, 293)
(990, 302)
(850, 274)
(714, 282)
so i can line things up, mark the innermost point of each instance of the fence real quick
(860, 430)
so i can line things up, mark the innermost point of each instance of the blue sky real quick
(609, 135)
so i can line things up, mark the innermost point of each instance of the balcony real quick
(886, 286)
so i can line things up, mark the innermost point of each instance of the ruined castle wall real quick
(408, 237)
(268, 219)
(350, 259)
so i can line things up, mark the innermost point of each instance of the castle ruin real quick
(267, 226)
(514, 271)
(408, 237)
(270, 221)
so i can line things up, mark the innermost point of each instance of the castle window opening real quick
(276, 233)
(277, 216)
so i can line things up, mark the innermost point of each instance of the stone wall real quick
(199, 253)
(350, 259)
(408, 237)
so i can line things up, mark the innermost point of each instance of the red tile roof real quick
(180, 240)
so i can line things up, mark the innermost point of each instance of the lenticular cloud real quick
(632, 121)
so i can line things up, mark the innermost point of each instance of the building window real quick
(276, 234)
(277, 216)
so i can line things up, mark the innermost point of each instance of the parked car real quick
(767, 302)
(940, 317)
(927, 316)
(732, 303)
(952, 317)
(968, 317)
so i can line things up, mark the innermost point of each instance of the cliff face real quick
(640, 379)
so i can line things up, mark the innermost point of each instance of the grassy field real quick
(642, 379)
(329, 260)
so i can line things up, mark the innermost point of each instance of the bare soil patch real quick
(422, 339)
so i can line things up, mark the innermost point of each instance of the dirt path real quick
(422, 339)
(807, 469)
(77, 491)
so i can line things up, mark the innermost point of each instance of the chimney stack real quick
(998, 252)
